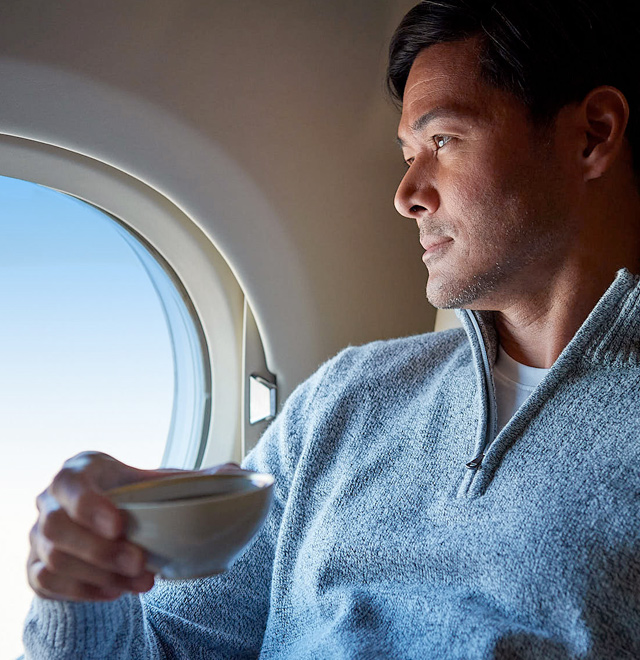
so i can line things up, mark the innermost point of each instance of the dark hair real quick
(548, 53)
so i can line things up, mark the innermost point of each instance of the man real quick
(428, 504)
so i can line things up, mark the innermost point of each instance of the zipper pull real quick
(476, 462)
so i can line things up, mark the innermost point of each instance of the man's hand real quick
(78, 548)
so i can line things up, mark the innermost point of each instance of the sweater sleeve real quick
(222, 616)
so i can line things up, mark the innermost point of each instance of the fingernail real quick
(104, 524)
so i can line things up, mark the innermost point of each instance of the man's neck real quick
(535, 331)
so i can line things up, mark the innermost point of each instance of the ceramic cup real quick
(194, 525)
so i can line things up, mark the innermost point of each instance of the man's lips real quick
(433, 246)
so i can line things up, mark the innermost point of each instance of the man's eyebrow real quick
(437, 113)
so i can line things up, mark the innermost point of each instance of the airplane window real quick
(99, 350)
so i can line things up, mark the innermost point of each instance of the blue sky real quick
(85, 359)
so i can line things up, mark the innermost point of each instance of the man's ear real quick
(604, 115)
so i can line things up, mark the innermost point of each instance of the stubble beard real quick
(481, 289)
(480, 286)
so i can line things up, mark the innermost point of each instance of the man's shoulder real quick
(429, 345)
(415, 353)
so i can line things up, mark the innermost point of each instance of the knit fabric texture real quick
(382, 543)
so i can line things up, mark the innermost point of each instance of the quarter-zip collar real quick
(609, 336)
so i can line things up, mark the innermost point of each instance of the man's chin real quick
(444, 296)
(441, 298)
(440, 303)
(475, 291)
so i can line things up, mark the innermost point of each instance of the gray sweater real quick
(382, 543)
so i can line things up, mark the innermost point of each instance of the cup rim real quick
(262, 480)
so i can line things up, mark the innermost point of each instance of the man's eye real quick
(441, 140)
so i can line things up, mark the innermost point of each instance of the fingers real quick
(56, 533)
(78, 497)
(70, 562)
(78, 549)
(61, 576)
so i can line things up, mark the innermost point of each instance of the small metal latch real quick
(476, 462)
(262, 399)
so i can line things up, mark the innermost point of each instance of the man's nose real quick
(416, 194)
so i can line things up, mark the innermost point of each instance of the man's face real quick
(485, 187)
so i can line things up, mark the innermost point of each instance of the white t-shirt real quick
(514, 383)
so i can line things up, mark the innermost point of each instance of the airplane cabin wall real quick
(265, 122)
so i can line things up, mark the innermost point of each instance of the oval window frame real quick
(167, 231)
